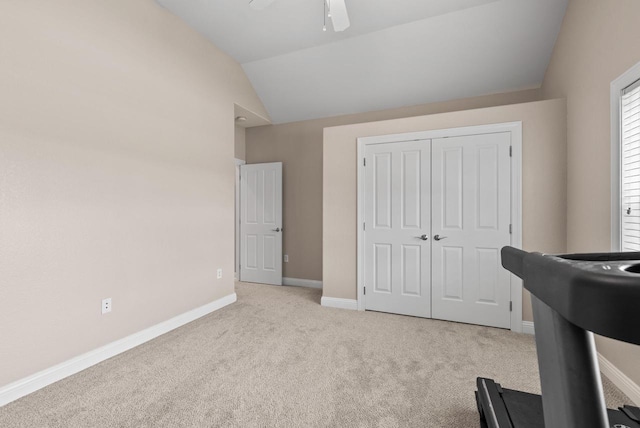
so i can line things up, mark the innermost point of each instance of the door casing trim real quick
(515, 128)
(238, 164)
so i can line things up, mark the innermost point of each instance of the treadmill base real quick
(507, 408)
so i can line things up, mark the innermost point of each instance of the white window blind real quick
(630, 167)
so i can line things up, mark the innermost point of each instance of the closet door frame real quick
(515, 128)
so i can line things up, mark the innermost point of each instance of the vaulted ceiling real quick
(395, 53)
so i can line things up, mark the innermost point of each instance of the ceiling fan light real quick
(339, 15)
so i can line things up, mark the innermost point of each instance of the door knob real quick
(423, 237)
(439, 238)
(277, 229)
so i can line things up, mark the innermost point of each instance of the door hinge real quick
(511, 306)
(510, 151)
(510, 229)
(364, 226)
(364, 290)
(364, 161)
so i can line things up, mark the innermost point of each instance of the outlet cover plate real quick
(106, 305)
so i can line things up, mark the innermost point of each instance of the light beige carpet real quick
(276, 358)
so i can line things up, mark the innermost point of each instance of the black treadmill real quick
(573, 296)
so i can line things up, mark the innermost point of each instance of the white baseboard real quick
(29, 384)
(527, 327)
(334, 302)
(619, 379)
(297, 282)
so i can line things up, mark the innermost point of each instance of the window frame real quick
(617, 86)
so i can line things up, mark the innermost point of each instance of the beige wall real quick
(116, 174)
(597, 43)
(543, 182)
(239, 143)
(299, 146)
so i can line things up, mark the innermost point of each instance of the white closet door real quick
(397, 215)
(471, 216)
(261, 223)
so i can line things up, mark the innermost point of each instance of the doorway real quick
(261, 223)
(436, 208)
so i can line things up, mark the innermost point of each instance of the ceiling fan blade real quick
(339, 15)
(259, 4)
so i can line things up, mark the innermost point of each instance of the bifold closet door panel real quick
(397, 223)
(471, 216)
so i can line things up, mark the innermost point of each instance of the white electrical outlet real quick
(219, 273)
(286, 258)
(106, 305)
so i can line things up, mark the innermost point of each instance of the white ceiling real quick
(396, 53)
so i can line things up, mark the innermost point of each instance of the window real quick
(625, 131)
(630, 167)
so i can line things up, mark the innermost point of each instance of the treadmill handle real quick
(512, 260)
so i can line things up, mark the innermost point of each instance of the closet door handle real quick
(423, 237)
(439, 238)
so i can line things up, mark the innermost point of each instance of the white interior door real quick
(471, 197)
(397, 215)
(261, 223)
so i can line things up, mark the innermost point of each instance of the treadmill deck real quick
(525, 410)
